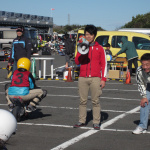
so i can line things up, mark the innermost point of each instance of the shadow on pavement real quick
(138, 121)
(104, 116)
(36, 114)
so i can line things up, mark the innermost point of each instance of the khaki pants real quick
(33, 94)
(84, 85)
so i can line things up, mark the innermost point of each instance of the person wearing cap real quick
(21, 47)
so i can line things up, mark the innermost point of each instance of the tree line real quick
(140, 21)
(66, 28)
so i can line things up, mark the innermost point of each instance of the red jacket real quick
(93, 64)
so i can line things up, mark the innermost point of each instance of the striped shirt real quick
(143, 81)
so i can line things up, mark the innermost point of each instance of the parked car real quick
(141, 41)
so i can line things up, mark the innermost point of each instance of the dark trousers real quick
(14, 65)
(68, 57)
(134, 61)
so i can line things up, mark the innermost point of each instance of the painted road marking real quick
(4, 81)
(77, 81)
(66, 126)
(115, 98)
(112, 98)
(72, 108)
(91, 132)
(60, 87)
(103, 89)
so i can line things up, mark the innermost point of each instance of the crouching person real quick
(23, 86)
(143, 81)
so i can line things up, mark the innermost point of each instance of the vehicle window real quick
(102, 40)
(27, 34)
(33, 34)
(116, 40)
(141, 43)
(9, 34)
(1, 34)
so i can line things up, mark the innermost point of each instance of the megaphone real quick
(83, 48)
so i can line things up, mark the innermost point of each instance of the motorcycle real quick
(19, 108)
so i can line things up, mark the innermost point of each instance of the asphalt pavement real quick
(50, 127)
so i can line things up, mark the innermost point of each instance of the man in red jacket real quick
(92, 77)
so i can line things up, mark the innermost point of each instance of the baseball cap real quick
(19, 29)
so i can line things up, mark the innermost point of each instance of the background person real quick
(107, 50)
(23, 85)
(92, 77)
(21, 47)
(131, 53)
(143, 81)
(69, 50)
(109, 58)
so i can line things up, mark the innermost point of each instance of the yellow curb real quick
(41, 78)
(121, 80)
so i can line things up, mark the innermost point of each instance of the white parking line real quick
(115, 98)
(112, 98)
(91, 132)
(72, 108)
(4, 81)
(118, 130)
(66, 126)
(118, 83)
(60, 87)
(64, 87)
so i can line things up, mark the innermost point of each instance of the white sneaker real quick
(139, 130)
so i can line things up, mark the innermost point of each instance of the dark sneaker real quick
(79, 124)
(96, 126)
(2, 145)
(10, 107)
(44, 94)
(30, 108)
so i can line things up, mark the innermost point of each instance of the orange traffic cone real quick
(128, 78)
(69, 78)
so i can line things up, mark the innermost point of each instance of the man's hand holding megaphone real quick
(83, 48)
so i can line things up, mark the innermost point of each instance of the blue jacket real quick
(21, 47)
